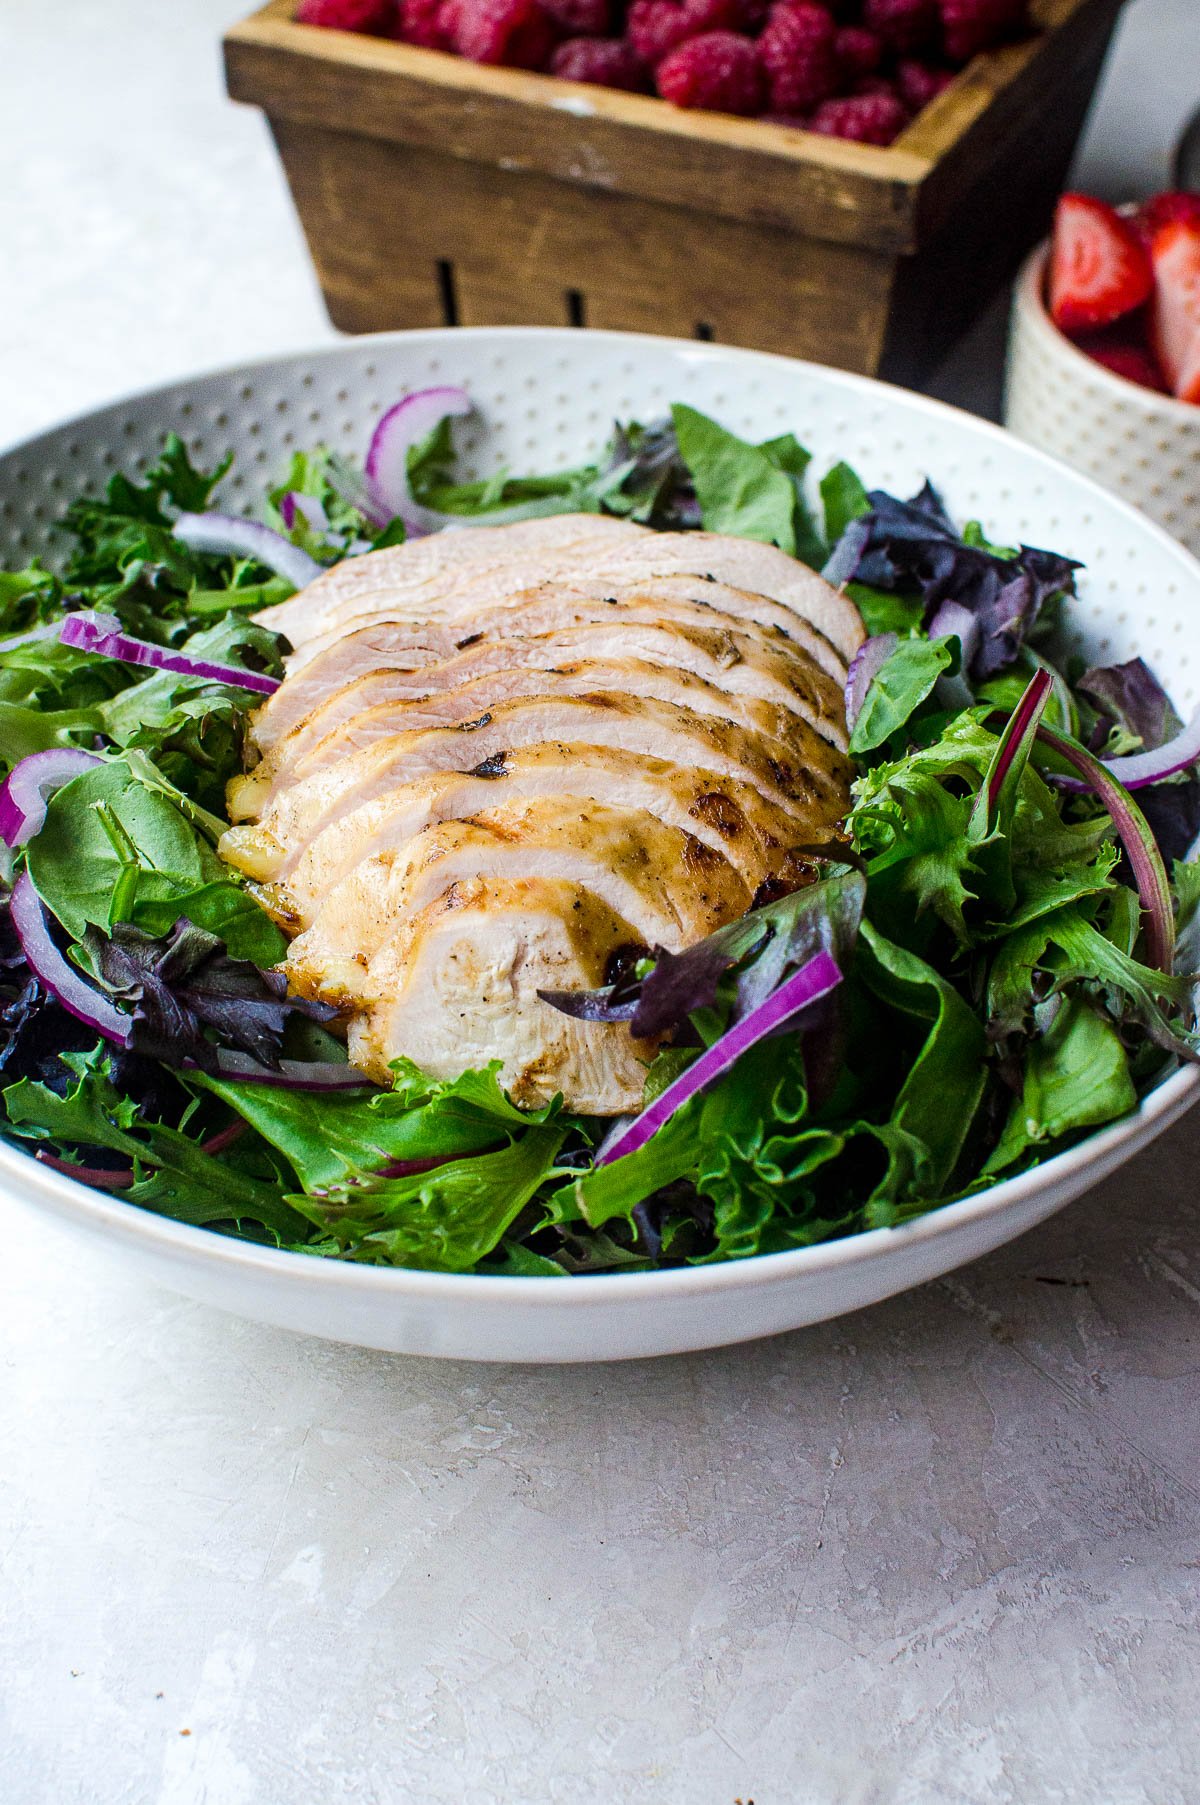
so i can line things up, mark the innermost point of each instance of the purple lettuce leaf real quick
(184, 982)
(914, 545)
(1130, 696)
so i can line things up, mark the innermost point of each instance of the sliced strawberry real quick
(1175, 312)
(1099, 267)
(1163, 209)
(1124, 357)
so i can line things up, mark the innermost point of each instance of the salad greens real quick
(1004, 941)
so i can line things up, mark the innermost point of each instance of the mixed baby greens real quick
(1010, 957)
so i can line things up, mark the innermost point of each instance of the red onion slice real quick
(103, 634)
(229, 534)
(310, 508)
(400, 429)
(28, 788)
(865, 666)
(413, 1168)
(1142, 768)
(808, 985)
(68, 985)
(1133, 830)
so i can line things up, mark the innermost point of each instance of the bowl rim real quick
(1031, 306)
(21, 1173)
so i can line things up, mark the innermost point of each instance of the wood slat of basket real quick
(518, 253)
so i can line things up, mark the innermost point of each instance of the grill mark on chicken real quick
(719, 813)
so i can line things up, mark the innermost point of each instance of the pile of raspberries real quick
(855, 69)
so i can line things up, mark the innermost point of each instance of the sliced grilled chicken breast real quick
(460, 979)
(724, 814)
(660, 729)
(424, 570)
(502, 756)
(414, 580)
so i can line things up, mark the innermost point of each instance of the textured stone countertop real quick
(946, 1550)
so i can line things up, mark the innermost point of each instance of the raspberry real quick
(516, 33)
(797, 51)
(347, 15)
(580, 18)
(865, 118)
(420, 22)
(904, 24)
(969, 26)
(858, 50)
(919, 83)
(608, 62)
(878, 84)
(719, 71)
(655, 27)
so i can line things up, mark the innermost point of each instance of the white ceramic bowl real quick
(547, 398)
(1143, 446)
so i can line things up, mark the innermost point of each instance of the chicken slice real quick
(740, 664)
(813, 794)
(729, 817)
(459, 984)
(668, 887)
(422, 570)
(421, 586)
(783, 735)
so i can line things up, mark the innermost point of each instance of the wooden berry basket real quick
(434, 191)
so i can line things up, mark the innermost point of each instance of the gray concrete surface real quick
(944, 1551)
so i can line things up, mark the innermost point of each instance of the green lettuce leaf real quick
(1076, 1076)
(119, 844)
(446, 1220)
(173, 1174)
(335, 1138)
(949, 1063)
(753, 491)
(899, 688)
(844, 499)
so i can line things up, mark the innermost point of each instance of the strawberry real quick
(1161, 209)
(1124, 357)
(1175, 310)
(1099, 267)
